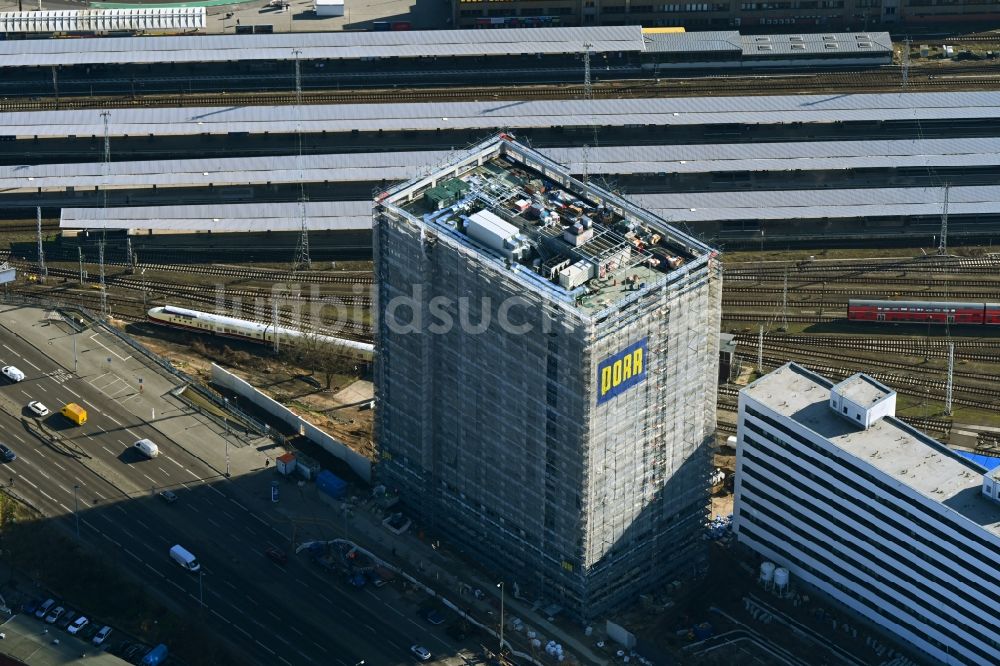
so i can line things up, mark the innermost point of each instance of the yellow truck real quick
(75, 413)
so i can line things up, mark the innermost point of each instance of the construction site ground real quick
(297, 388)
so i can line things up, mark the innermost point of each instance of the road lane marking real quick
(79, 397)
(58, 465)
(371, 628)
(265, 647)
(28, 481)
(66, 508)
(162, 470)
(320, 647)
(28, 395)
(193, 508)
(324, 597)
(280, 658)
(114, 419)
(129, 431)
(154, 570)
(32, 364)
(107, 449)
(39, 452)
(151, 479)
(132, 554)
(275, 616)
(241, 630)
(214, 523)
(217, 490)
(292, 627)
(93, 338)
(174, 583)
(229, 584)
(139, 522)
(173, 461)
(17, 437)
(253, 601)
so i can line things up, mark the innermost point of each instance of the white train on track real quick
(242, 329)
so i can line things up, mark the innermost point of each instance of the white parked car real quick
(78, 624)
(12, 373)
(38, 409)
(420, 652)
(101, 635)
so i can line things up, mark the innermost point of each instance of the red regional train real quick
(924, 311)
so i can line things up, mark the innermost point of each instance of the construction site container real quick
(331, 484)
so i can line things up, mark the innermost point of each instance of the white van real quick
(147, 448)
(183, 557)
(12, 373)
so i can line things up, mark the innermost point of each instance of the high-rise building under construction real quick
(546, 368)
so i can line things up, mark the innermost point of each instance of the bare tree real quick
(320, 355)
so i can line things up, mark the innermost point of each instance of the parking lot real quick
(92, 481)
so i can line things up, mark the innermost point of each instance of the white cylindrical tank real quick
(781, 578)
(766, 572)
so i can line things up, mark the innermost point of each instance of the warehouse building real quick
(873, 513)
(564, 442)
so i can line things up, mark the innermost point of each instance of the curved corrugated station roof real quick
(510, 114)
(679, 208)
(606, 160)
(320, 46)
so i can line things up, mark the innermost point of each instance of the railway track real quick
(913, 347)
(845, 270)
(733, 303)
(133, 308)
(991, 289)
(770, 317)
(792, 351)
(273, 276)
(878, 80)
(198, 292)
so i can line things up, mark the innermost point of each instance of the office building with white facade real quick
(862, 507)
(545, 376)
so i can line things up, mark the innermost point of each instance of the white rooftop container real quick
(488, 229)
(329, 7)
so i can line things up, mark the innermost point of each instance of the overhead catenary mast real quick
(302, 259)
(43, 272)
(100, 246)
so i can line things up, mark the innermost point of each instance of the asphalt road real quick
(271, 614)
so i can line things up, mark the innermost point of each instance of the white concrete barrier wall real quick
(357, 462)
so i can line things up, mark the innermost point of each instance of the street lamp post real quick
(500, 585)
(225, 417)
(76, 508)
